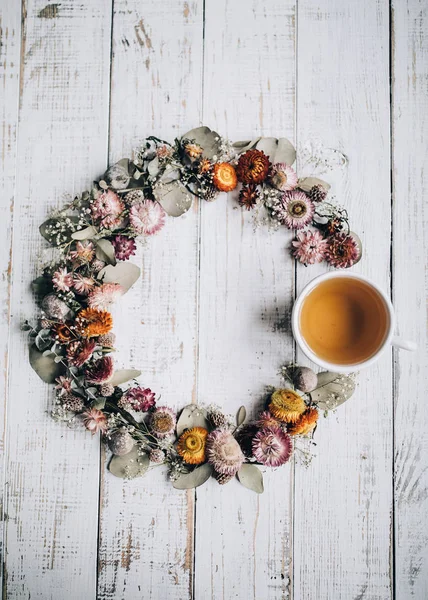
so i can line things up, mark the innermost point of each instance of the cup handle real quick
(398, 342)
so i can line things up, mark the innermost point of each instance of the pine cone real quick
(317, 193)
(222, 479)
(210, 192)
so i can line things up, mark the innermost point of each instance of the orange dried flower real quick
(92, 322)
(191, 445)
(63, 332)
(204, 166)
(287, 405)
(305, 423)
(253, 166)
(225, 178)
(193, 150)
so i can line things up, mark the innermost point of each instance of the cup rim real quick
(338, 368)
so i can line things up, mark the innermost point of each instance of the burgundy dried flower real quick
(124, 247)
(100, 371)
(139, 399)
(78, 353)
(342, 251)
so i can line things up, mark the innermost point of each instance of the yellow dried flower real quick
(287, 405)
(191, 445)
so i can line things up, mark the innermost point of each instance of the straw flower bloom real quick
(253, 166)
(283, 177)
(62, 280)
(272, 447)
(95, 421)
(224, 177)
(342, 251)
(83, 284)
(309, 247)
(296, 211)
(100, 370)
(92, 322)
(147, 217)
(124, 247)
(101, 297)
(108, 209)
(287, 405)
(223, 452)
(83, 253)
(266, 419)
(79, 352)
(163, 422)
(305, 424)
(138, 399)
(191, 445)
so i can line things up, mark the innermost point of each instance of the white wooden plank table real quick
(81, 84)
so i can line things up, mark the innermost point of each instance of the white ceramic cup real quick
(389, 334)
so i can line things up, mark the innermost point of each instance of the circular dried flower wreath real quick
(95, 236)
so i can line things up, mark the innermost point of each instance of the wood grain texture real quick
(246, 284)
(51, 500)
(10, 47)
(343, 502)
(410, 278)
(146, 534)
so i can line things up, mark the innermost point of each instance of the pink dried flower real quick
(100, 371)
(63, 384)
(108, 209)
(97, 265)
(95, 421)
(83, 253)
(62, 280)
(124, 247)
(83, 284)
(101, 297)
(147, 217)
(342, 251)
(223, 452)
(162, 422)
(266, 419)
(310, 247)
(157, 456)
(79, 352)
(139, 399)
(163, 151)
(272, 447)
(283, 177)
(296, 210)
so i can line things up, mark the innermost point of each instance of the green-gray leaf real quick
(42, 286)
(242, 147)
(241, 416)
(207, 139)
(45, 366)
(124, 273)
(307, 183)
(333, 389)
(170, 174)
(191, 416)
(278, 150)
(173, 197)
(105, 251)
(123, 375)
(194, 479)
(130, 465)
(85, 234)
(251, 477)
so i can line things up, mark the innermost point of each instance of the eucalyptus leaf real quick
(191, 416)
(241, 416)
(153, 167)
(307, 183)
(251, 477)
(170, 174)
(105, 251)
(123, 375)
(173, 197)
(333, 389)
(130, 465)
(124, 273)
(194, 479)
(206, 138)
(99, 403)
(45, 366)
(359, 246)
(242, 147)
(278, 150)
(85, 234)
(43, 339)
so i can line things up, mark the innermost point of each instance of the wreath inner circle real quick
(95, 237)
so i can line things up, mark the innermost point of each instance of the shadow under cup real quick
(344, 320)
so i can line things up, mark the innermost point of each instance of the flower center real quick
(193, 443)
(298, 209)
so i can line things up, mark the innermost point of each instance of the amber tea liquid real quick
(344, 320)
